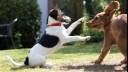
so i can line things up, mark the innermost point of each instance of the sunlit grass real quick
(80, 52)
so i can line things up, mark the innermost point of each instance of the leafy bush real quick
(95, 36)
(28, 24)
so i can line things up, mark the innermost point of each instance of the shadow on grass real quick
(96, 68)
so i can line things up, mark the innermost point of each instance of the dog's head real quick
(58, 15)
(101, 20)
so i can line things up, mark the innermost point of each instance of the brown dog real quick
(115, 30)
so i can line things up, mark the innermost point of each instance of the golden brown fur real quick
(115, 30)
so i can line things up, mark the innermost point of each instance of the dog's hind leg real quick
(47, 64)
(37, 60)
(122, 44)
(73, 25)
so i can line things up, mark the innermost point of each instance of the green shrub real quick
(28, 24)
(95, 36)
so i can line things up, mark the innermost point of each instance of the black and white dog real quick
(55, 36)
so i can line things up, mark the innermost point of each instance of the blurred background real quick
(30, 26)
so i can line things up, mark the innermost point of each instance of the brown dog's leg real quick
(122, 44)
(106, 47)
(104, 52)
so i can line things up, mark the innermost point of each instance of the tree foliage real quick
(28, 24)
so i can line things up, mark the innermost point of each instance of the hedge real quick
(26, 29)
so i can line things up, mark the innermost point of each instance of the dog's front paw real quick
(97, 61)
(88, 37)
(85, 38)
(81, 20)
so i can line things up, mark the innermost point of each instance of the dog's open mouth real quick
(93, 26)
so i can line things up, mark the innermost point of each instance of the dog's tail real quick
(14, 63)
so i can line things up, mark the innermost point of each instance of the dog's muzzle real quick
(66, 19)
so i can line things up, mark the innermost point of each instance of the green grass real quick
(80, 52)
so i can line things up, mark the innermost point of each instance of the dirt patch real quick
(84, 67)
(108, 65)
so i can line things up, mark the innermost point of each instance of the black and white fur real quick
(52, 40)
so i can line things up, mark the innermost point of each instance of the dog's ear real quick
(110, 15)
(54, 13)
(56, 6)
(111, 9)
(114, 5)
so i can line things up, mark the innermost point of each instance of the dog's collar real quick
(55, 24)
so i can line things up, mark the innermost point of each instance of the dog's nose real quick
(87, 22)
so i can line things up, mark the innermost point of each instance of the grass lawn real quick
(76, 58)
